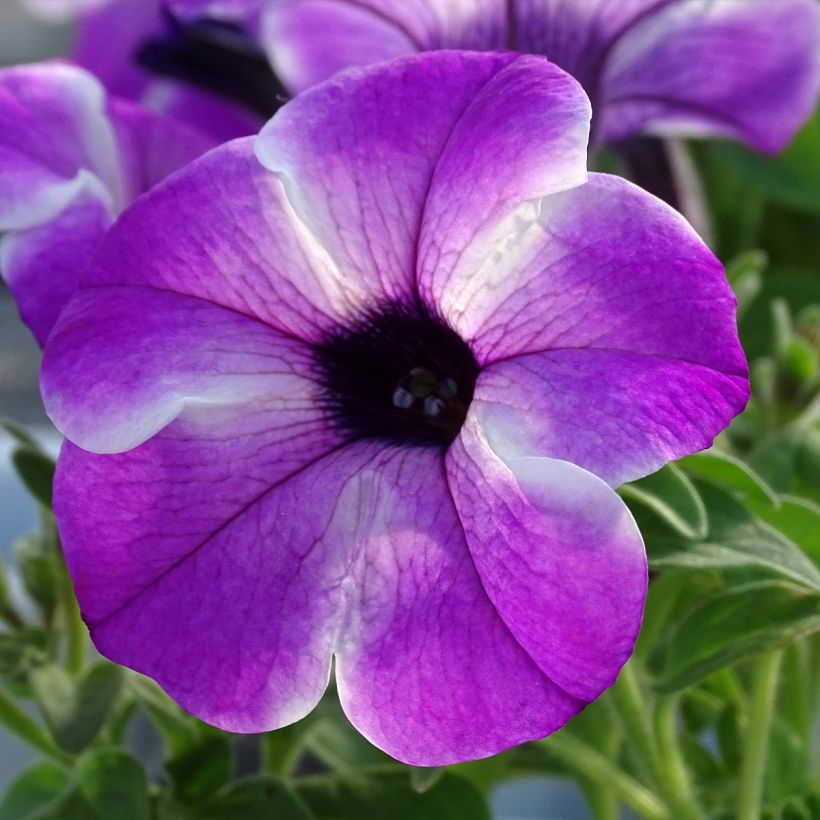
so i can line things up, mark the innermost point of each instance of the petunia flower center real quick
(397, 374)
(216, 57)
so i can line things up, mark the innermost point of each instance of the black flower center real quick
(216, 57)
(398, 374)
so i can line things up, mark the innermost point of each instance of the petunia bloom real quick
(746, 69)
(71, 159)
(361, 389)
(209, 75)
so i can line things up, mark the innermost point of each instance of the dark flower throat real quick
(398, 374)
(216, 57)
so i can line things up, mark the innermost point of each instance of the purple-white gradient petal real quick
(748, 70)
(310, 40)
(357, 171)
(427, 668)
(559, 556)
(70, 160)
(222, 578)
(219, 358)
(598, 310)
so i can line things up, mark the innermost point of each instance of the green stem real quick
(632, 707)
(601, 801)
(20, 724)
(587, 762)
(677, 786)
(75, 630)
(764, 689)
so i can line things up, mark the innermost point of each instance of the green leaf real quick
(788, 764)
(40, 571)
(745, 274)
(201, 770)
(736, 540)
(115, 786)
(423, 779)
(35, 793)
(375, 795)
(734, 624)
(792, 178)
(18, 433)
(259, 798)
(673, 497)
(36, 471)
(75, 713)
(282, 748)
(175, 726)
(797, 519)
(21, 649)
(729, 473)
(334, 741)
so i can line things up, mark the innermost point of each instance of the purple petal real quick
(56, 142)
(357, 155)
(619, 415)
(221, 576)
(537, 145)
(745, 70)
(559, 556)
(235, 11)
(246, 250)
(107, 39)
(109, 36)
(603, 266)
(152, 146)
(70, 159)
(426, 669)
(123, 362)
(41, 265)
(310, 40)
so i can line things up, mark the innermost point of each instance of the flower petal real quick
(56, 141)
(69, 160)
(310, 40)
(745, 70)
(42, 264)
(537, 145)
(577, 34)
(123, 362)
(357, 154)
(559, 555)
(152, 146)
(246, 250)
(426, 669)
(619, 415)
(220, 575)
(603, 266)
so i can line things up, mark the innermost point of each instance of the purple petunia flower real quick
(207, 75)
(71, 159)
(747, 69)
(361, 389)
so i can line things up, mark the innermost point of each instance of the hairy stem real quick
(677, 785)
(764, 688)
(588, 763)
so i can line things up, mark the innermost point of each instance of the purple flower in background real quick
(71, 159)
(748, 69)
(208, 74)
(361, 389)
